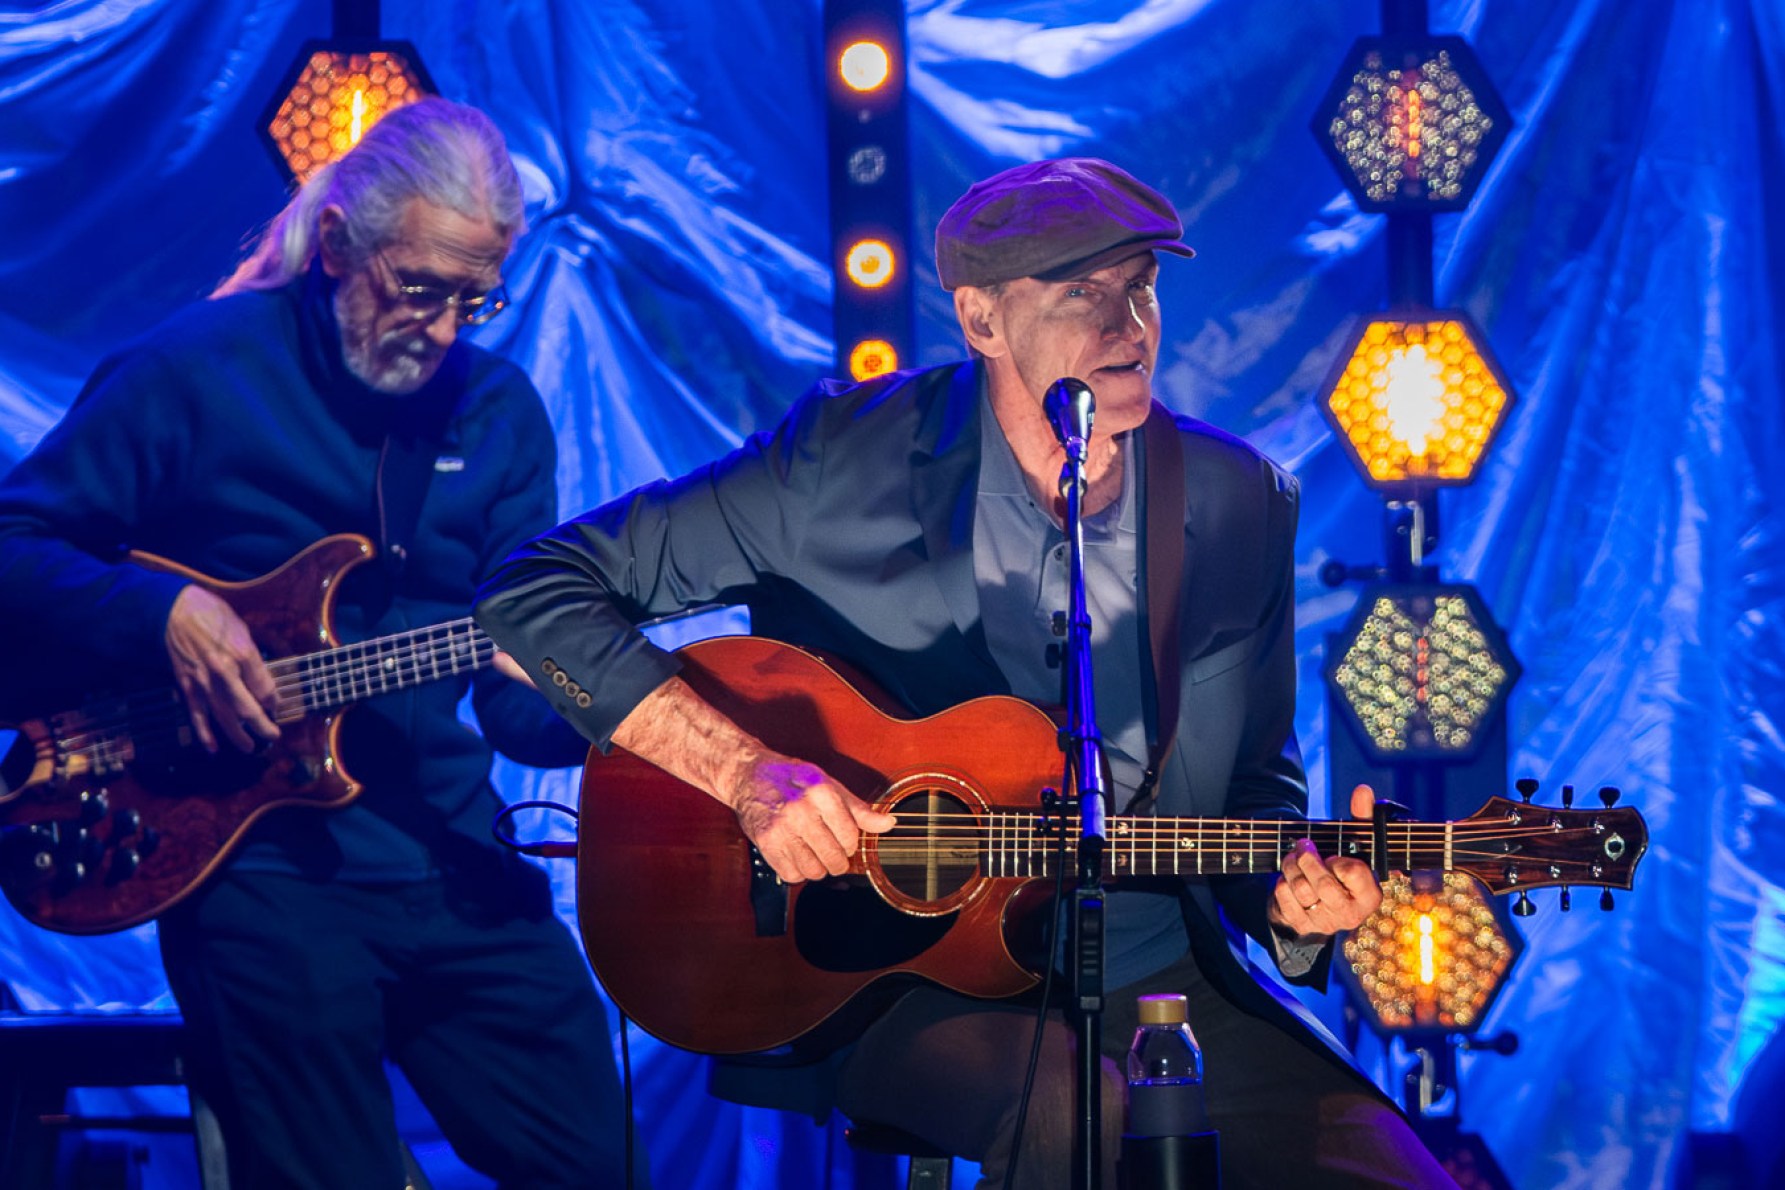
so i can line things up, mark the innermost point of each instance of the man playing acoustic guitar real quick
(908, 526)
(325, 391)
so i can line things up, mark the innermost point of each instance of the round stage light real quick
(872, 357)
(864, 65)
(869, 263)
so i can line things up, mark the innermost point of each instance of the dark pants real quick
(295, 993)
(950, 1069)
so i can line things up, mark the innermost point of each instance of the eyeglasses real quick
(428, 302)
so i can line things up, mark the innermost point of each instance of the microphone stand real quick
(1083, 746)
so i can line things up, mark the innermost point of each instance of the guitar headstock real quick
(1515, 846)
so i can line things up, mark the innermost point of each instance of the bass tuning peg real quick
(1523, 907)
(1567, 797)
(1609, 795)
(1605, 901)
(1526, 786)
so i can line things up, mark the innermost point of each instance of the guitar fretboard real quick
(105, 736)
(1507, 845)
(1017, 845)
(335, 677)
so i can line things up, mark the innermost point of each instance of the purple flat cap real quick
(1051, 220)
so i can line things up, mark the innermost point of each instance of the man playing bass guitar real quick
(325, 390)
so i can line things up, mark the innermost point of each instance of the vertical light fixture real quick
(874, 320)
(1417, 683)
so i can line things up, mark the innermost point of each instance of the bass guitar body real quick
(111, 813)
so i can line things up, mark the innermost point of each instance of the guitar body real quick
(694, 938)
(100, 840)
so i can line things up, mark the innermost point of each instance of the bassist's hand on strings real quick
(226, 684)
(1317, 898)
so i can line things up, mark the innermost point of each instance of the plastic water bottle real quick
(1168, 1144)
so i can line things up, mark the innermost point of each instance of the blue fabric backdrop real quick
(674, 297)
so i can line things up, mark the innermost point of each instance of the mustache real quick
(406, 343)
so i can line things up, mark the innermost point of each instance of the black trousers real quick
(950, 1069)
(295, 992)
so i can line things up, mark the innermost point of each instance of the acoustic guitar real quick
(696, 939)
(111, 813)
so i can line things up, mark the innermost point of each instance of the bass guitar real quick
(111, 813)
(696, 939)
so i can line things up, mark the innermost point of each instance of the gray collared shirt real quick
(1020, 564)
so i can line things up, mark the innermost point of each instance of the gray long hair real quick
(442, 152)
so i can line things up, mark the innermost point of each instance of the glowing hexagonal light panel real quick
(333, 93)
(1420, 671)
(1416, 399)
(1431, 958)
(1411, 123)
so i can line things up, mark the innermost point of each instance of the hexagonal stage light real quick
(1416, 399)
(1411, 123)
(332, 93)
(1432, 958)
(1420, 672)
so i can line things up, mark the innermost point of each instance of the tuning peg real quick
(1567, 797)
(1609, 795)
(1526, 786)
(1605, 901)
(1523, 906)
(1567, 900)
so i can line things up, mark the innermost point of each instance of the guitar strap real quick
(1161, 596)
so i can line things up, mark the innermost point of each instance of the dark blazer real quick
(849, 529)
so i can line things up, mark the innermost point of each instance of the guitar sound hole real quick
(934, 851)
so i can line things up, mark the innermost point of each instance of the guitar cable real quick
(1049, 939)
(502, 830)
(626, 1091)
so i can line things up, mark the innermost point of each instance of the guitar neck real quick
(1018, 844)
(1243, 846)
(335, 677)
(1505, 845)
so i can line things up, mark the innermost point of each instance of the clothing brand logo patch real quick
(449, 463)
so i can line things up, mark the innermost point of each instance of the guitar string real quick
(354, 668)
(358, 669)
(359, 666)
(1005, 843)
(1463, 856)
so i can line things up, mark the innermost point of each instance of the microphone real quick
(1069, 406)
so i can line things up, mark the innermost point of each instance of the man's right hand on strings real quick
(227, 686)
